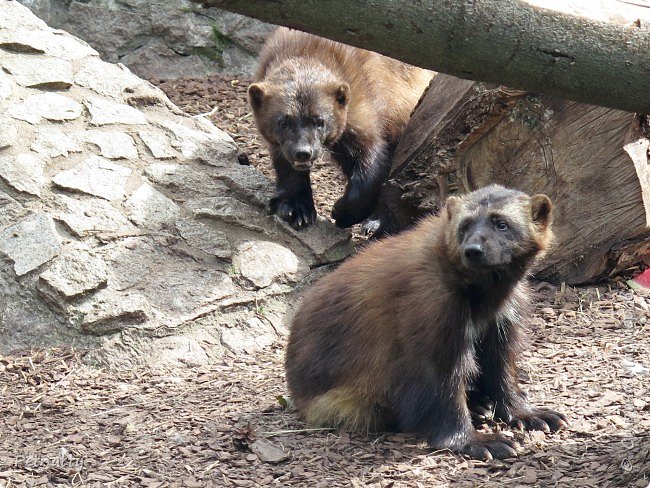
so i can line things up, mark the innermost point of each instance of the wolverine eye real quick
(284, 122)
(502, 225)
(320, 122)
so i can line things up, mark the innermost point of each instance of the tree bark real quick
(595, 53)
(591, 161)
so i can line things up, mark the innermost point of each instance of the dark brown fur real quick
(363, 101)
(398, 335)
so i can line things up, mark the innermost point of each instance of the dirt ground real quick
(64, 423)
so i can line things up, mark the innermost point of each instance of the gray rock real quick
(249, 336)
(95, 176)
(52, 142)
(327, 244)
(30, 243)
(107, 311)
(112, 144)
(8, 132)
(214, 147)
(247, 182)
(229, 210)
(173, 283)
(23, 172)
(91, 216)
(268, 452)
(10, 210)
(5, 86)
(103, 112)
(39, 71)
(184, 181)
(14, 14)
(263, 263)
(50, 106)
(74, 273)
(106, 79)
(205, 238)
(166, 40)
(158, 144)
(58, 44)
(150, 209)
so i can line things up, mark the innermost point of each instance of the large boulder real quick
(160, 39)
(127, 224)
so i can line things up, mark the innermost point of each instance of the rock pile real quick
(126, 223)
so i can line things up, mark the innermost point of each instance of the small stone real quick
(53, 142)
(96, 176)
(268, 452)
(205, 238)
(72, 274)
(103, 112)
(50, 106)
(529, 477)
(91, 216)
(39, 71)
(151, 209)
(8, 133)
(263, 263)
(158, 144)
(112, 144)
(106, 79)
(30, 243)
(24, 173)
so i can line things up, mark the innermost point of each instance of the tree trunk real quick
(591, 161)
(595, 53)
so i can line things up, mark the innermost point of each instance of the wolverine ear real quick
(342, 94)
(256, 94)
(451, 206)
(541, 208)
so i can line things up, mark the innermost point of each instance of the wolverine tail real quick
(343, 407)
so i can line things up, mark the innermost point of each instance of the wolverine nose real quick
(474, 252)
(302, 154)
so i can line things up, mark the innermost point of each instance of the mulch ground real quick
(64, 423)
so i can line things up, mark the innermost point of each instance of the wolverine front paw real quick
(490, 446)
(347, 212)
(298, 212)
(538, 419)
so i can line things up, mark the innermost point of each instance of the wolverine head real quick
(300, 107)
(496, 228)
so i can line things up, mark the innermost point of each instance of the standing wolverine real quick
(313, 93)
(396, 337)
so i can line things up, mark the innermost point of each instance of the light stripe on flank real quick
(343, 407)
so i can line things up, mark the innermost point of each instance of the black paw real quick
(347, 212)
(539, 419)
(480, 406)
(297, 212)
(370, 226)
(490, 446)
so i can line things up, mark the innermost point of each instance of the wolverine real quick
(398, 336)
(312, 94)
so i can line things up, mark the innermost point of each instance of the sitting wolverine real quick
(397, 336)
(312, 93)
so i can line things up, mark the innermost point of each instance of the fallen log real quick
(591, 161)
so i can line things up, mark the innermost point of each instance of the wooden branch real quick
(595, 52)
